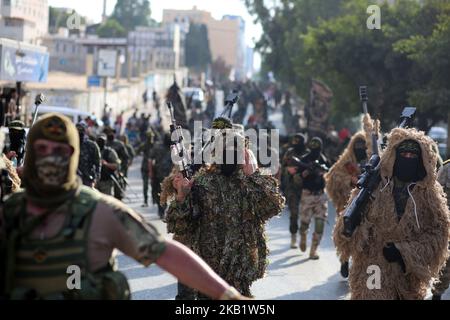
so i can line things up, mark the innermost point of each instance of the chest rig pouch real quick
(56, 268)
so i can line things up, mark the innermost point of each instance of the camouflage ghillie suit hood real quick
(421, 235)
(338, 179)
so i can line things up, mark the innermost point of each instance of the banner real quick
(17, 64)
(318, 111)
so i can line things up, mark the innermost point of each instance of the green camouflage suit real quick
(229, 230)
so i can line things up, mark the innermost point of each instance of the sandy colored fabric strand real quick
(424, 249)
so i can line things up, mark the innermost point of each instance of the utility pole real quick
(104, 17)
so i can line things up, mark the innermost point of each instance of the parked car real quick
(440, 135)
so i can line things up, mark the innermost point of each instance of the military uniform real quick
(405, 227)
(146, 148)
(106, 183)
(314, 202)
(57, 237)
(89, 165)
(442, 284)
(162, 157)
(292, 191)
(228, 232)
(124, 157)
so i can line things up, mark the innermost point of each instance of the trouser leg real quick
(185, 292)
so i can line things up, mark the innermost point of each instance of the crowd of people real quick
(65, 204)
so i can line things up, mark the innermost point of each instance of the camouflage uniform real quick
(314, 202)
(106, 183)
(443, 282)
(229, 230)
(161, 168)
(145, 148)
(119, 147)
(89, 164)
(292, 191)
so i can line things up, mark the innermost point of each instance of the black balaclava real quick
(109, 134)
(360, 149)
(81, 127)
(101, 141)
(315, 145)
(298, 143)
(17, 140)
(409, 169)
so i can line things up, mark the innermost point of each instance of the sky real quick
(93, 10)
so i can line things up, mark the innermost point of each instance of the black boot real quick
(344, 270)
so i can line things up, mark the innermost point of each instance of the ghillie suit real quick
(233, 208)
(339, 179)
(408, 245)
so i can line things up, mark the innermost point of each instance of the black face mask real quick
(101, 144)
(228, 169)
(81, 134)
(17, 141)
(315, 153)
(409, 169)
(360, 154)
(299, 147)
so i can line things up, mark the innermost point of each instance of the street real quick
(290, 274)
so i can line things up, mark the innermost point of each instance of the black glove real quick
(391, 254)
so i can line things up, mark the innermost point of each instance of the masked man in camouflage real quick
(314, 202)
(441, 284)
(124, 157)
(343, 175)
(232, 202)
(403, 235)
(56, 226)
(110, 164)
(89, 164)
(159, 168)
(293, 184)
(145, 148)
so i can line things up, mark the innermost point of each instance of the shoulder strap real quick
(81, 207)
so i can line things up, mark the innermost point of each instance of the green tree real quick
(57, 18)
(329, 40)
(111, 29)
(132, 13)
(197, 51)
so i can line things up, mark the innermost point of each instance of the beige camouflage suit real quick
(442, 284)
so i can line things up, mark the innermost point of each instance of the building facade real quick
(226, 37)
(24, 20)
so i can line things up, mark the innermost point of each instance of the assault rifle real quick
(302, 166)
(230, 101)
(177, 145)
(369, 181)
(185, 164)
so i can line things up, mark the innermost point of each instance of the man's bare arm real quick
(191, 270)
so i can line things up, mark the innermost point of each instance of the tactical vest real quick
(105, 174)
(40, 269)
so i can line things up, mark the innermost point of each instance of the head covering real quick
(16, 125)
(57, 128)
(222, 123)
